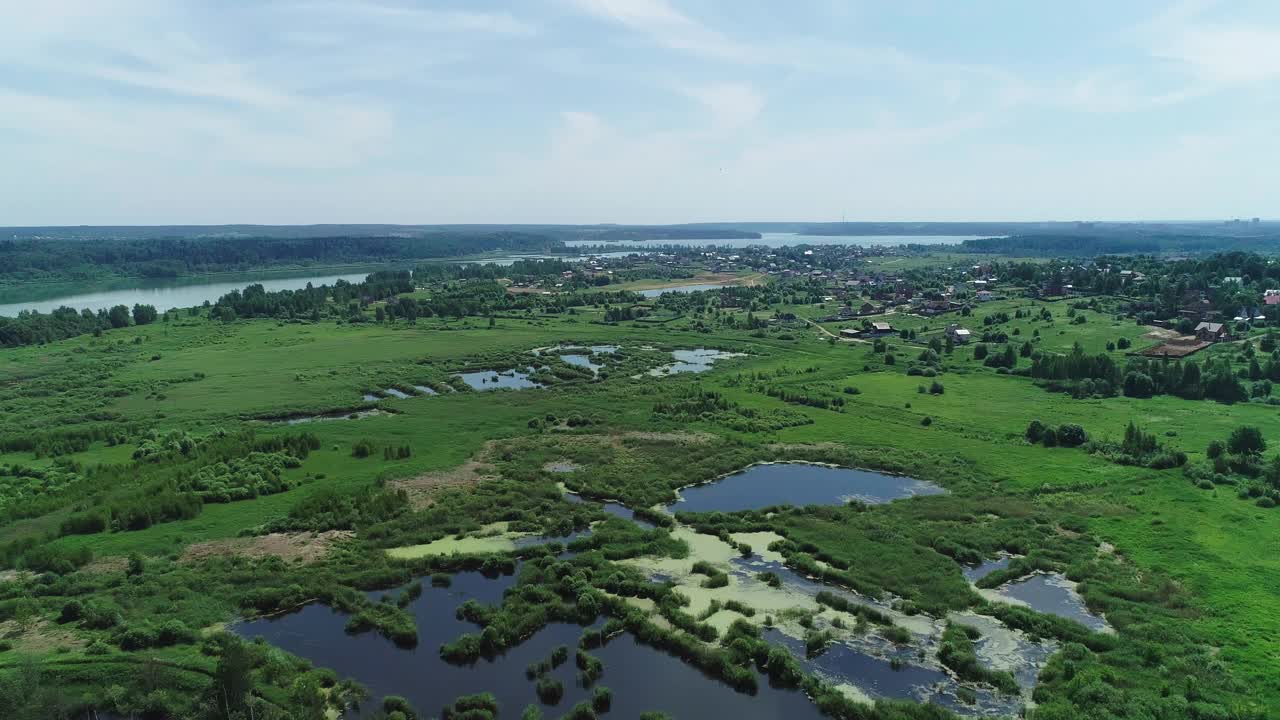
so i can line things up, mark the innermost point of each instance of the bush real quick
(926, 421)
(363, 448)
(1071, 435)
(936, 388)
(602, 699)
(1215, 449)
(1246, 440)
(549, 690)
(1035, 431)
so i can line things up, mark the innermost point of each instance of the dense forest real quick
(1090, 244)
(62, 260)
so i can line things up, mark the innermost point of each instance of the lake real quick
(170, 294)
(641, 677)
(776, 240)
(655, 292)
(798, 484)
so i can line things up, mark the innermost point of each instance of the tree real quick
(144, 314)
(1215, 449)
(1246, 440)
(1138, 385)
(1049, 437)
(979, 351)
(118, 316)
(136, 565)
(231, 680)
(380, 314)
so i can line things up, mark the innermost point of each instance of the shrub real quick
(1071, 435)
(1035, 431)
(1246, 440)
(363, 448)
(549, 690)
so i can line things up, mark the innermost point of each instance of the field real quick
(1183, 573)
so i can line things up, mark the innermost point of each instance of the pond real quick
(693, 361)
(641, 677)
(1052, 594)
(423, 389)
(493, 380)
(974, 574)
(798, 484)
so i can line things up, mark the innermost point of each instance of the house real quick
(1233, 280)
(1271, 297)
(1211, 332)
(868, 309)
(983, 295)
(957, 334)
(880, 328)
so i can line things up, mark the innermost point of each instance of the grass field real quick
(195, 375)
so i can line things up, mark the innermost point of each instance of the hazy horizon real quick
(283, 112)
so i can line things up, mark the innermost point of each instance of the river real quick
(167, 294)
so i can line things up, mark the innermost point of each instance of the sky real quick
(635, 111)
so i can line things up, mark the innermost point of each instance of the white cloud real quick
(667, 26)
(730, 105)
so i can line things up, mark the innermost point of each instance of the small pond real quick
(493, 380)
(424, 390)
(641, 678)
(798, 484)
(397, 393)
(613, 508)
(693, 361)
(1052, 594)
(974, 574)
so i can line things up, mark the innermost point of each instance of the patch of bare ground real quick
(683, 438)
(301, 547)
(39, 636)
(107, 564)
(422, 489)
(789, 447)
(1157, 333)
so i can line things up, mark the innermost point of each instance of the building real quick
(958, 335)
(1271, 297)
(1211, 332)
(880, 328)
(850, 333)
(984, 295)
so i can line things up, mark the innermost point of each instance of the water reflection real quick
(642, 679)
(798, 484)
(493, 380)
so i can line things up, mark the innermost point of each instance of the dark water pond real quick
(1051, 594)
(492, 380)
(798, 484)
(974, 574)
(641, 678)
(614, 509)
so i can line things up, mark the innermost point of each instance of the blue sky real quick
(302, 111)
